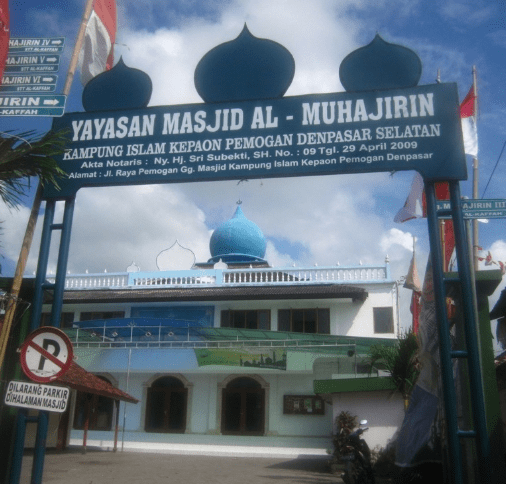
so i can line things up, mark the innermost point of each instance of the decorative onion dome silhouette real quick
(237, 240)
(243, 69)
(380, 65)
(133, 267)
(175, 258)
(121, 87)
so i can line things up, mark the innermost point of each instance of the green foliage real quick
(400, 360)
(345, 423)
(26, 155)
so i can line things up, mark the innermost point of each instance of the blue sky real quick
(317, 220)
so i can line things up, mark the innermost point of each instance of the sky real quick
(325, 220)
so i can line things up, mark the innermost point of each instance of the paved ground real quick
(102, 467)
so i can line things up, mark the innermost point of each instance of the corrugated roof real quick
(313, 291)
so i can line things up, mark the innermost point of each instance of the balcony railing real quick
(231, 277)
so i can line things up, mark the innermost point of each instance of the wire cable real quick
(492, 174)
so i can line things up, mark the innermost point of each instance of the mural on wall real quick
(243, 357)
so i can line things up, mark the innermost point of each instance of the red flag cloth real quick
(415, 310)
(467, 105)
(97, 54)
(4, 34)
(469, 128)
(449, 245)
(416, 207)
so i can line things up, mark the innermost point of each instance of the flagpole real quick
(77, 47)
(475, 176)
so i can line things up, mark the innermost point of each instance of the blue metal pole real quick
(42, 264)
(469, 313)
(40, 448)
(63, 256)
(19, 447)
(454, 466)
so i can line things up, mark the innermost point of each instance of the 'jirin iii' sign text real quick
(409, 129)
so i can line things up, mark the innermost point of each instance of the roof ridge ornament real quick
(380, 65)
(244, 69)
(121, 87)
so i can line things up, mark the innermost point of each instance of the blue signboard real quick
(32, 63)
(36, 44)
(29, 88)
(35, 105)
(493, 208)
(320, 134)
(23, 80)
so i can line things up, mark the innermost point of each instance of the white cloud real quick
(395, 237)
(335, 218)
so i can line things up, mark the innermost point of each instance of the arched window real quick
(166, 406)
(243, 408)
(98, 410)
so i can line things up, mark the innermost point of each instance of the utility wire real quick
(496, 163)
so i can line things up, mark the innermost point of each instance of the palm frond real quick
(26, 155)
(399, 360)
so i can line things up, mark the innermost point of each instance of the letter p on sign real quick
(46, 354)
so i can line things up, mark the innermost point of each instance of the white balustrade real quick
(228, 277)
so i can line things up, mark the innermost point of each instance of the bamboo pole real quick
(77, 47)
(32, 221)
(18, 275)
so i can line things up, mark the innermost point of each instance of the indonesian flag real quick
(469, 129)
(97, 54)
(415, 206)
(4, 34)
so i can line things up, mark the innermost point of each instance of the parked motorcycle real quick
(356, 456)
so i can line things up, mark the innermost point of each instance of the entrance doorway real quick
(243, 408)
(166, 406)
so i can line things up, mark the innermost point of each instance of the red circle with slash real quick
(46, 354)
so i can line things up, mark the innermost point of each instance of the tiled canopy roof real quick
(316, 291)
(80, 379)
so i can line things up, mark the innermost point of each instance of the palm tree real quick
(400, 361)
(26, 155)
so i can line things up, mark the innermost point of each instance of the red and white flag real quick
(469, 129)
(414, 205)
(97, 54)
(4, 34)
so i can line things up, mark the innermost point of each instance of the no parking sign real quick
(46, 354)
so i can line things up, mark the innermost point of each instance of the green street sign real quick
(476, 208)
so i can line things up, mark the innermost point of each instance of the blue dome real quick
(237, 240)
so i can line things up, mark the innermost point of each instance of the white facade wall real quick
(383, 411)
(348, 318)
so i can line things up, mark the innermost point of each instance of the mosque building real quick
(228, 355)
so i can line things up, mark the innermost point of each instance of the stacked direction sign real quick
(30, 70)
